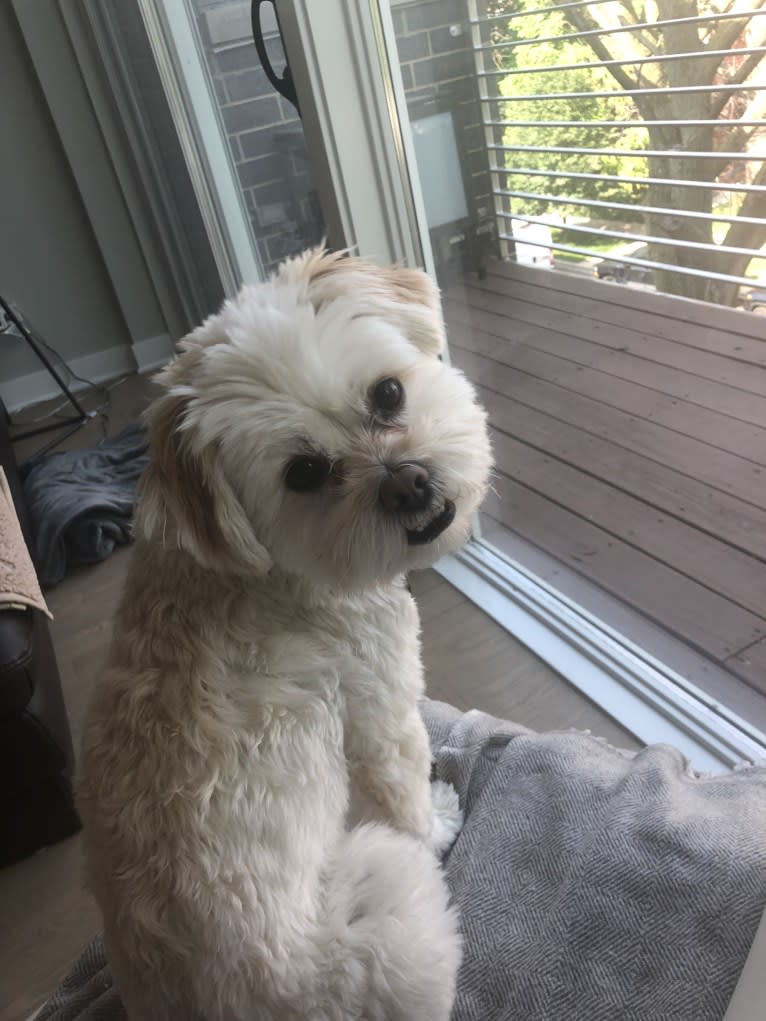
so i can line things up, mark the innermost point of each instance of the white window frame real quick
(362, 161)
(180, 60)
(342, 54)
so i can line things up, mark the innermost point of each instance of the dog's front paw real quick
(447, 817)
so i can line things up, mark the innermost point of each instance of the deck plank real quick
(667, 307)
(622, 337)
(668, 648)
(710, 623)
(728, 572)
(713, 394)
(718, 468)
(698, 336)
(741, 525)
(750, 665)
(690, 419)
(630, 439)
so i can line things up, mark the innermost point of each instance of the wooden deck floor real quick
(630, 446)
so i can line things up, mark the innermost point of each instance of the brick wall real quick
(438, 70)
(263, 129)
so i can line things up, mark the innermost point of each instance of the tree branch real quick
(750, 235)
(584, 22)
(744, 72)
(651, 45)
(727, 33)
(632, 10)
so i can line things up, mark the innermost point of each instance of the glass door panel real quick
(600, 273)
(244, 144)
(262, 130)
(599, 255)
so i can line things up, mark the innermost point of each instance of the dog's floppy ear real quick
(186, 499)
(407, 298)
(421, 308)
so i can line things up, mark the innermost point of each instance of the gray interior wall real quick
(50, 263)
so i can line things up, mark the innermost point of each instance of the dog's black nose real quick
(406, 488)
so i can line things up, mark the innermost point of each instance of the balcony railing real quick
(616, 124)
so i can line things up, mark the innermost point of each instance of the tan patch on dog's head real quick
(186, 499)
(407, 298)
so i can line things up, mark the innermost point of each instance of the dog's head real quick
(310, 425)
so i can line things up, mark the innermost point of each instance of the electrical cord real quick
(100, 411)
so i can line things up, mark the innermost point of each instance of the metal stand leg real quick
(71, 424)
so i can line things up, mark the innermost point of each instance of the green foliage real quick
(668, 111)
(594, 110)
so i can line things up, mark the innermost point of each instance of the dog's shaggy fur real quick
(265, 666)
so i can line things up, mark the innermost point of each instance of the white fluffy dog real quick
(310, 447)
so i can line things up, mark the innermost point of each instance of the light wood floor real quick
(470, 661)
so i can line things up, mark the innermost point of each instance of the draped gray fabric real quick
(597, 885)
(80, 502)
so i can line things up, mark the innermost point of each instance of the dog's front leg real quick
(389, 764)
(389, 759)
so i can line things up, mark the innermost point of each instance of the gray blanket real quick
(593, 885)
(81, 502)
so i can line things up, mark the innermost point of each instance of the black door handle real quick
(284, 85)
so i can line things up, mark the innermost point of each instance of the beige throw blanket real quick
(19, 586)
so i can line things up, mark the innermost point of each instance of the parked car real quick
(623, 272)
(533, 243)
(754, 301)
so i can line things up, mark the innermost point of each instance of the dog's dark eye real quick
(307, 473)
(387, 395)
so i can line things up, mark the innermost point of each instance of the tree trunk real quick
(677, 140)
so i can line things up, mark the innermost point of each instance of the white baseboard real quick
(153, 352)
(143, 356)
(40, 386)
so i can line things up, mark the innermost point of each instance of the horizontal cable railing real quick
(614, 179)
(598, 204)
(627, 259)
(726, 93)
(612, 94)
(727, 157)
(603, 232)
(659, 58)
(623, 124)
(699, 19)
(511, 15)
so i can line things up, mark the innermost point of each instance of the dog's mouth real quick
(432, 529)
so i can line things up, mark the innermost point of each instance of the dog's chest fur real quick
(258, 710)
(339, 649)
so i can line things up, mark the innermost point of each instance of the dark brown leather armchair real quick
(36, 758)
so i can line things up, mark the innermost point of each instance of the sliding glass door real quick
(586, 182)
